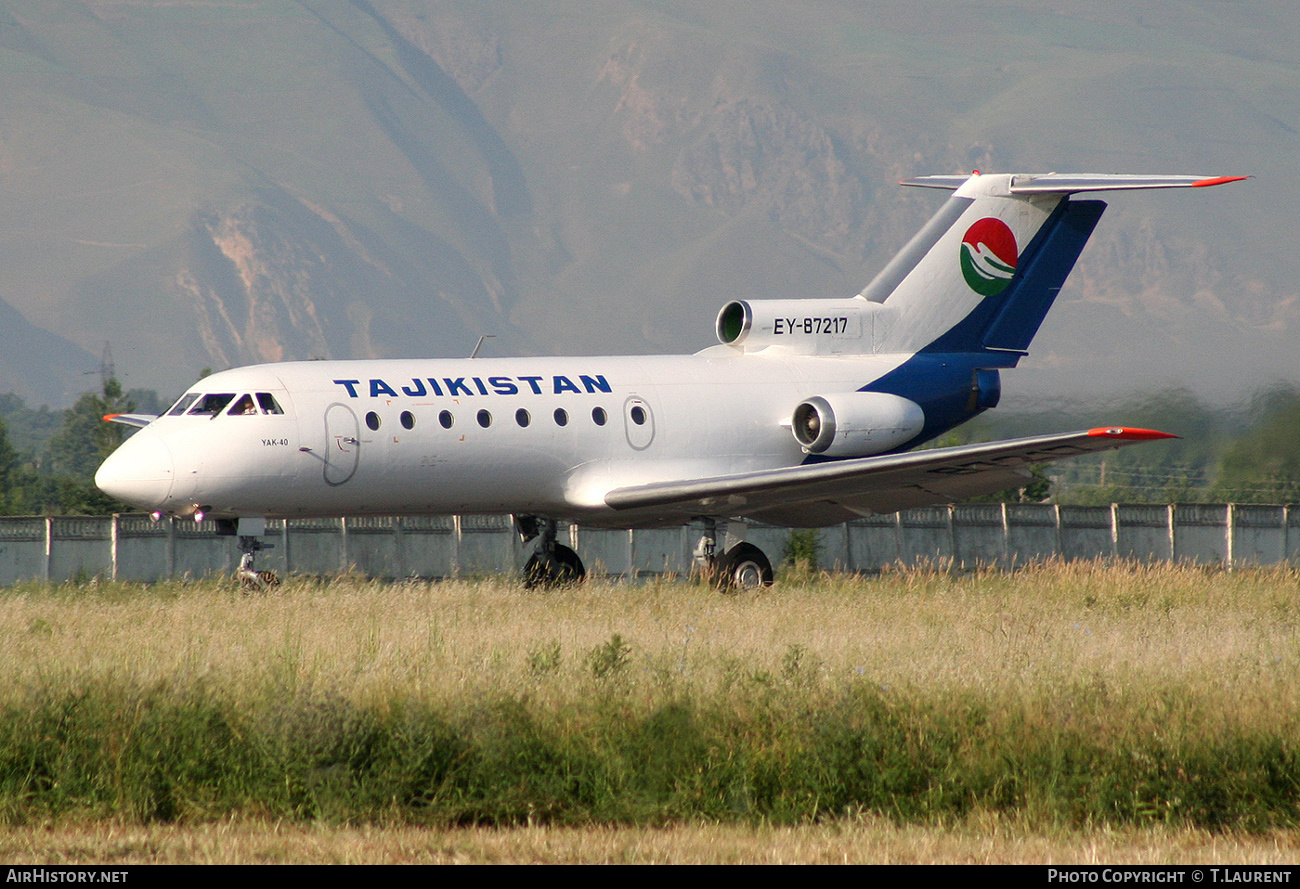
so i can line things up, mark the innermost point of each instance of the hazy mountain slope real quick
(253, 186)
(228, 182)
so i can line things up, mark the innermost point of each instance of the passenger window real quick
(183, 404)
(408, 420)
(561, 417)
(211, 405)
(485, 418)
(268, 403)
(522, 417)
(372, 421)
(598, 416)
(446, 419)
(243, 407)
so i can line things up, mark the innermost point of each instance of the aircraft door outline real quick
(342, 444)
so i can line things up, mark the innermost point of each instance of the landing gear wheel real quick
(561, 568)
(744, 567)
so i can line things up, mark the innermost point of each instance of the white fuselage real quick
(341, 443)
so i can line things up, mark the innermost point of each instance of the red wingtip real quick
(1217, 180)
(108, 418)
(1130, 434)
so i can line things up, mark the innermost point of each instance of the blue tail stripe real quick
(1008, 321)
(1044, 274)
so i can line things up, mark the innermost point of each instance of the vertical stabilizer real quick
(984, 271)
(946, 296)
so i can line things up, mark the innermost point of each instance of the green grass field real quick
(1063, 700)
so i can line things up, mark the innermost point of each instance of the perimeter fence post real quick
(1006, 539)
(1169, 512)
(49, 548)
(1230, 534)
(455, 545)
(113, 530)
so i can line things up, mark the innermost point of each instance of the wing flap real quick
(821, 493)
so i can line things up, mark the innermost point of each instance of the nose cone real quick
(140, 472)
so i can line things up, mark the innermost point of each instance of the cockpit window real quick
(244, 406)
(268, 403)
(239, 404)
(183, 404)
(211, 405)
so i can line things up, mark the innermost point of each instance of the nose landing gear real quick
(250, 532)
(252, 580)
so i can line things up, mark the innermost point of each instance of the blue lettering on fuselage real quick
(560, 384)
(594, 384)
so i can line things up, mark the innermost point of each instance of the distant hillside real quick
(205, 185)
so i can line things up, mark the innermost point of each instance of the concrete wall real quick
(131, 547)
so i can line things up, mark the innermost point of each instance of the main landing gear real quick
(552, 564)
(743, 567)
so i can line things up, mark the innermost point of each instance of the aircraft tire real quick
(564, 568)
(744, 567)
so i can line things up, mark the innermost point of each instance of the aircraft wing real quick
(818, 494)
(137, 420)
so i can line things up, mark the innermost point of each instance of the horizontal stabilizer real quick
(1064, 183)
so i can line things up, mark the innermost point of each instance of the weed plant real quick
(1061, 694)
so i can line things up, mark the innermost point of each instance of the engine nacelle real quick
(856, 424)
(804, 326)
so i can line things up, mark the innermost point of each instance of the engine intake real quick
(855, 424)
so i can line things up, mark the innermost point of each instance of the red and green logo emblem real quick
(988, 256)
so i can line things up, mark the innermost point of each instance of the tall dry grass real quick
(1064, 693)
(858, 841)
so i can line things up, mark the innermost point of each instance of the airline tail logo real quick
(988, 256)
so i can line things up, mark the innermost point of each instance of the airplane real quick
(806, 413)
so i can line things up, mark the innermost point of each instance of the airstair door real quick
(342, 444)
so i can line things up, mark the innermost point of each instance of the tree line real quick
(48, 458)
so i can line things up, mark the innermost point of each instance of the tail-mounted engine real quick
(856, 424)
(804, 326)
